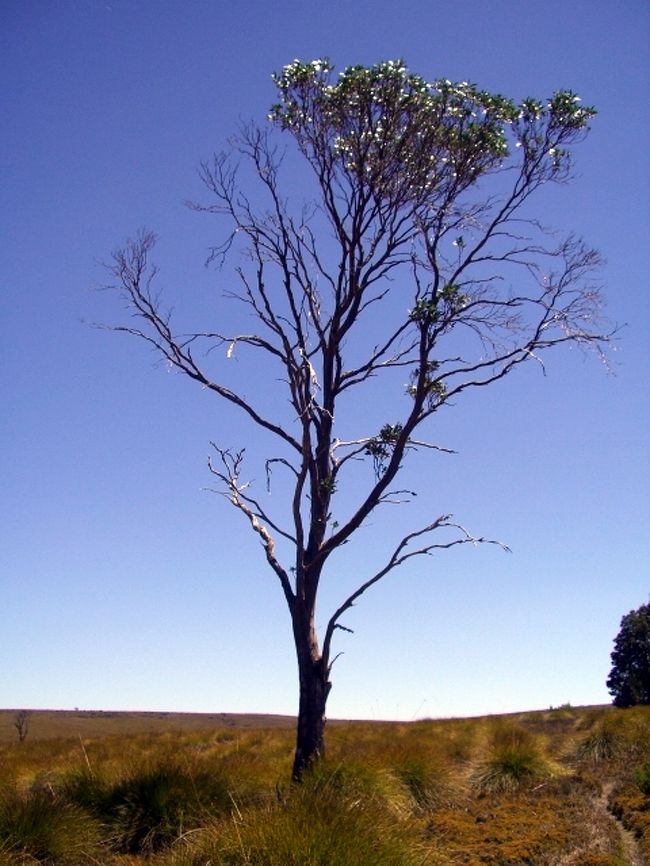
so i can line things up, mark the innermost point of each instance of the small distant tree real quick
(21, 724)
(629, 679)
(412, 268)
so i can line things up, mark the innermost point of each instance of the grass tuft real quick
(514, 759)
(602, 743)
(149, 810)
(41, 827)
(335, 818)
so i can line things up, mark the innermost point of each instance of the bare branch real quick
(401, 555)
(230, 476)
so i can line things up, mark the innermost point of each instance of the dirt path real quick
(630, 846)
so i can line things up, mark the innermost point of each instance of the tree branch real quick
(401, 555)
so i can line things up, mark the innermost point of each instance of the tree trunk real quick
(314, 689)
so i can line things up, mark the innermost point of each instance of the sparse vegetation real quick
(531, 789)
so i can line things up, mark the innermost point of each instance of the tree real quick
(415, 258)
(21, 724)
(629, 678)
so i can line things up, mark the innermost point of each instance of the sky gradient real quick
(126, 585)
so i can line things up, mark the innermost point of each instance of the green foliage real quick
(328, 484)
(433, 387)
(381, 447)
(629, 679)
(425, 311)
(404, 139)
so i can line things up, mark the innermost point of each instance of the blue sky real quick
(125, 584)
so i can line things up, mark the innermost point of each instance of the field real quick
(562, 787)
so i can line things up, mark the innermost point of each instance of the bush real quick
(629, 679)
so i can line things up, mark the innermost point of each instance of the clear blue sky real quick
(124, 584)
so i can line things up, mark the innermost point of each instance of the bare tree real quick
(417, 258)
(21, 724)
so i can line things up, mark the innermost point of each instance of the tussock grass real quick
(514, 759)
(42, 827)
(147, 810)
(620, 736)
(517, 790)
(343, 816)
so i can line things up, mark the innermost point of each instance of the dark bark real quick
(314, 689)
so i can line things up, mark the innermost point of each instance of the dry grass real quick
(49, 724)
(530, 789)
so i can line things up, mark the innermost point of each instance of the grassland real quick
(53, 724)
(564, 787)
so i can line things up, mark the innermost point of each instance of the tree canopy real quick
(629, 678)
